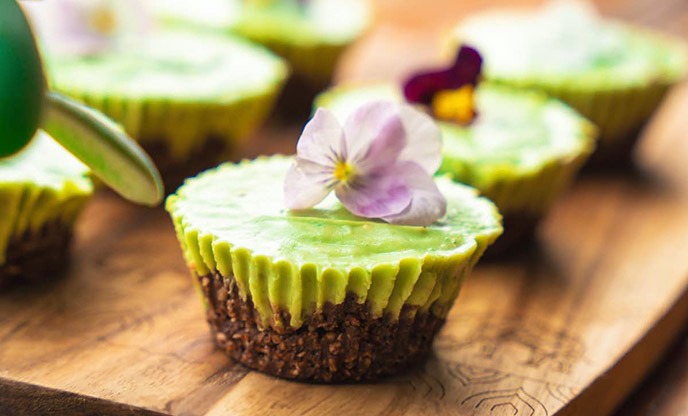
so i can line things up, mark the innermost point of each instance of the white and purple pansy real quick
(380, 164)
(87, 26)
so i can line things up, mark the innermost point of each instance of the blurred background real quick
(407, 34)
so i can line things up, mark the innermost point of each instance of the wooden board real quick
(665, 391)
(567, 327)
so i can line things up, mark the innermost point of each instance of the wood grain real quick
(22, 398)
(567, 326)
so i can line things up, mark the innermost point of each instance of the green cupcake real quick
(42, 191)
(522, 150)
(614, 74)
(310, 35)
(187, 98)
(322, 294)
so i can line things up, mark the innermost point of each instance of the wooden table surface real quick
(567, 327)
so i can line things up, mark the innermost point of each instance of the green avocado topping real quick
(177, 65)
(568, 42)
(332, 22)
(45, 163)
(233, 219)
(41, 184)
(516, 136)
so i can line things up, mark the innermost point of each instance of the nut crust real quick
(339, 343)
(37, 256)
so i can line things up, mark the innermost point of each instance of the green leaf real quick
(104, 146)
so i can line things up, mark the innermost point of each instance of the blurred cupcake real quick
(188, 98)
(42, 191)
(339, 264)
(520, 148)
(613, 73)
(310, 34)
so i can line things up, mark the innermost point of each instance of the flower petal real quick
(306, 184)
(385, 149)
(420, 88)
(374, 135)
(427, 202)
(423, 139)
(322, 140)
(88, 26)
(374, 196)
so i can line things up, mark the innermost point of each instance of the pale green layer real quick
(311, 37)
(334, 22)
(613, 73)
(185, 126)
(232, 219)
(176, 86)
(572, 44)
(40, 185)
(177, 65)
(617, 114)
(521, 150)
(314, 64)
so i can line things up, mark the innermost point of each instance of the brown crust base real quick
(519, 231)
(340, 343)
(36, 257)
(173, 171)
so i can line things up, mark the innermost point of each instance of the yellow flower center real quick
(343, 171)
(103, 20)
(457, 105)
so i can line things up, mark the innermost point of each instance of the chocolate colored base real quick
(174, 171)
(37, 257)
(340, 343)
(519, 231)
(295, 103)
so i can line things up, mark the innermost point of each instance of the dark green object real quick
(92, 137)
(22, 84)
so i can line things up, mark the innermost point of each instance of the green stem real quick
(102, 145)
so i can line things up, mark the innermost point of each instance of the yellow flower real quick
(456, 105)
(103, 20)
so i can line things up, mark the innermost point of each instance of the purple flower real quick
(422, 87)
(87, 26)
(380, 164)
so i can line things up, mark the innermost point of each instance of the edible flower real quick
(380, 164)
(449, 92)
(87, 26)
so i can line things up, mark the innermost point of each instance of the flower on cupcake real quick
(380, 164)
(449, 93)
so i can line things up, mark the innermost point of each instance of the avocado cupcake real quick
(42, 191)
(306, 284)
(520, 148)
(310, 35)
(188, 98)
(613, 73)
